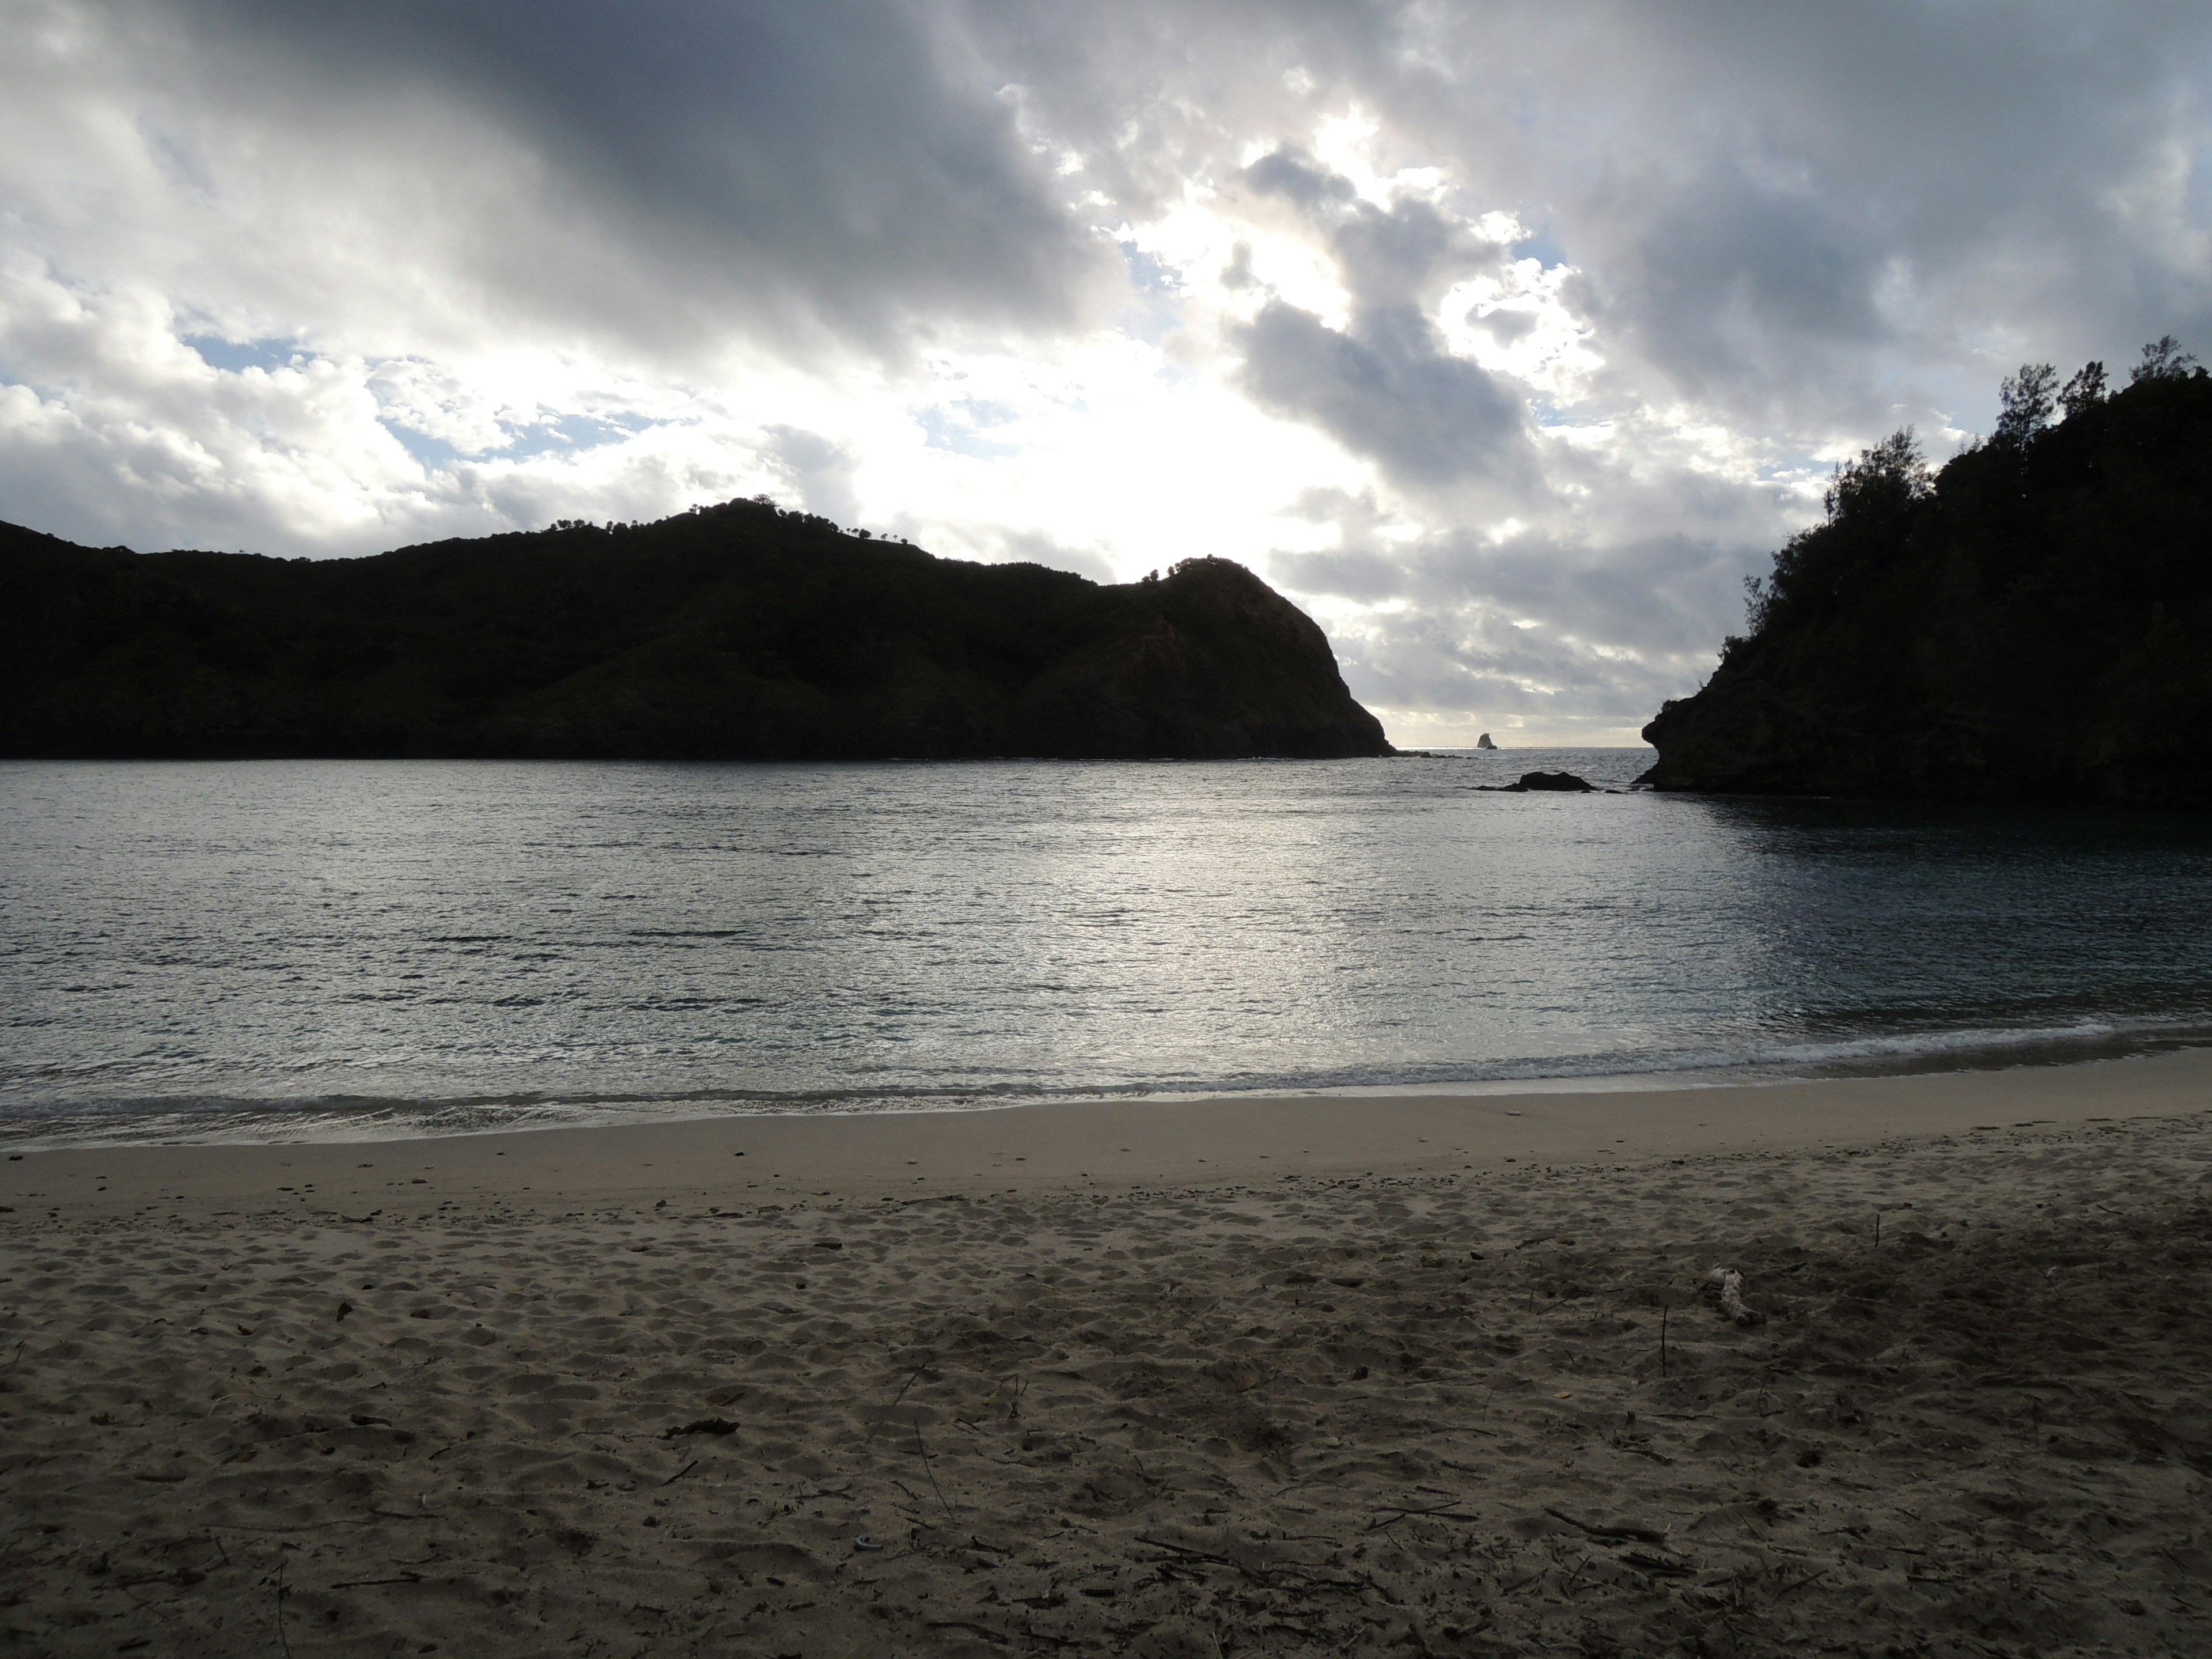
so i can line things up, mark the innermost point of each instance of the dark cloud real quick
(1743, 284)
(853, 167)
(1364, 574)
(1388, 390)
(1385, 386)
(1400, 255)
(1404, 255)
(1649, 597)
(1796, 213)
(1292, 173)
(1364, 566)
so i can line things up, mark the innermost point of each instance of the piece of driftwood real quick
(1633, 1535)
(1723, 1289)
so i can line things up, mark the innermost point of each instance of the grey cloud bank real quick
(1509, 339)
(846, 171)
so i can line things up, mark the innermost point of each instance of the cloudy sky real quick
(1506, 338)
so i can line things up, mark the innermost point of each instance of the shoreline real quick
(349, 1120)
(1105, 1146)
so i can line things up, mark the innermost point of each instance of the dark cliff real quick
(735, 632)
(2035, 621)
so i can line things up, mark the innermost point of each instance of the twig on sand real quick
(1265, 1575)
(912, 1377)
(1451, 1511)
(681, 1472)
(923, 1449)
(915, 1513)
(1193, 1554)
(987, 1634)
(284, 1639)
(1634, 1535)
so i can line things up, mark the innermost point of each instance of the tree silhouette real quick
(2084, 391)
(1863, 497)
(2163, 359)
(1891, 475)
(2025, 402)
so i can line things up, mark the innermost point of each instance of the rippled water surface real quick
(288, 948)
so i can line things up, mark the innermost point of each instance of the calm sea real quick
(329, 949)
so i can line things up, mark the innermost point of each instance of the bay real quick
(315, 949)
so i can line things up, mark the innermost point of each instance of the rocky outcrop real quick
(1556, 782)
(736, 632)
(2031, 625)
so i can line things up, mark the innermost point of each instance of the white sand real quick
(1282, 1377)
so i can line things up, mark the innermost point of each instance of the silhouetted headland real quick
(2035, 621)
(732, 632)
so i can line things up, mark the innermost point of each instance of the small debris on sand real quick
(701, 1425)
(1724, 1289)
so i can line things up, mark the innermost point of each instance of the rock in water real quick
(1556, 780)
(737, 632)
(1484, 741)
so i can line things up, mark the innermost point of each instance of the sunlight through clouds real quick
(1474, 329)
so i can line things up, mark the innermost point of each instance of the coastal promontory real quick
(733, 632)
(2033, 623)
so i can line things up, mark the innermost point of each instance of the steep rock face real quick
(2034, 622)
(735, 632)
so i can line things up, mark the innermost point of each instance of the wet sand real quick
(1307, 1375)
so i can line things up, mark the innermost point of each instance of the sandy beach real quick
(1319, 1375)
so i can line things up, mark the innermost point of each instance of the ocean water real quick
(314, 949)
